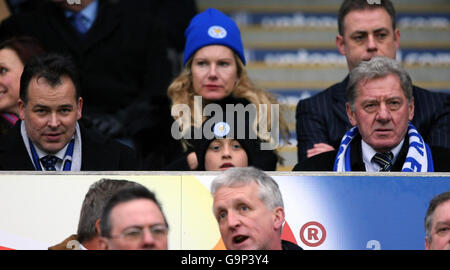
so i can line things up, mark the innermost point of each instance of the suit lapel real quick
(398, 164)
(356, 158)
(94, 153)
(13, 151)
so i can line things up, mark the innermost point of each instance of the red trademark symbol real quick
(313, 234)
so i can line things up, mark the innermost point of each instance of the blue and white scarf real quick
(418, 158)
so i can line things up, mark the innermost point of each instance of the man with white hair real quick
(249, 209)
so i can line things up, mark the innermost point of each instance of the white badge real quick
(221, 129)
(217, 31)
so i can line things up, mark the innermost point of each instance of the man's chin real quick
(52, 148)
(384, 145)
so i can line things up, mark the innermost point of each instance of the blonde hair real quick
(181, 91)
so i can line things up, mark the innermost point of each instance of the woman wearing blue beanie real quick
(214, 68)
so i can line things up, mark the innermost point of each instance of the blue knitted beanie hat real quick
(212, 27)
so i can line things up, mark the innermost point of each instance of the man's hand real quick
(319, 148)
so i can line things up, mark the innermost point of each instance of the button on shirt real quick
(368, 153)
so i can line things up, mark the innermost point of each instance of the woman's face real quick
(223, 154)
(11, 69)
(214, 72)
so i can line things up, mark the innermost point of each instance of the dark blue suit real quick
(322, 118)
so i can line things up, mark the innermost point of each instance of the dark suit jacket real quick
(322, 118)
(123, 66)
(98, 153)
(325, 161)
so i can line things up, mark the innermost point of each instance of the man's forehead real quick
(443, 210)
(53, 82)
(236, 193)
(44, 86)
(389, 81)
(382, 21)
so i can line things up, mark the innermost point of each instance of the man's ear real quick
(21, 109)
(340, 44)
(350, 114)
(427, 243)
(278, 218)
(397, 38)
(79, 108)
(411, 109)
(97, 227)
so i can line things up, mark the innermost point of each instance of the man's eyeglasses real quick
(135, 234)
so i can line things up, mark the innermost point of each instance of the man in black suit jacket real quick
(123, 63)
(365, 31)
(48, 137)
(380, 107)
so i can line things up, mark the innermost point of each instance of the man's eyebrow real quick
(40, 106)
(359, 32)
(440, 223)
(218, 209)
(367, 31)
(381, 29)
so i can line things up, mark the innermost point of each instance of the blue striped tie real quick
(384, 160)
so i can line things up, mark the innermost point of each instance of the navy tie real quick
(49, 162)
(384, 160)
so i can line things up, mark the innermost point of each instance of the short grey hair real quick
(434, 203)
(377, 67)
(95, 201)
(269, 192)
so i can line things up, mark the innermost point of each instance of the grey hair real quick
(434, 203)
(269, 192)
(377, 67)
(95, 201)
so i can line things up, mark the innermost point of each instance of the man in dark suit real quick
(48, 137)
(365, 30)
(380, 106)
(120, 50)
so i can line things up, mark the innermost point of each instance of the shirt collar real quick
(89, 13)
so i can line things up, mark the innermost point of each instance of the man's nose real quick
(233, 220)
(371, 43)
(383, 113)
(147, 238)
(53, 120)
